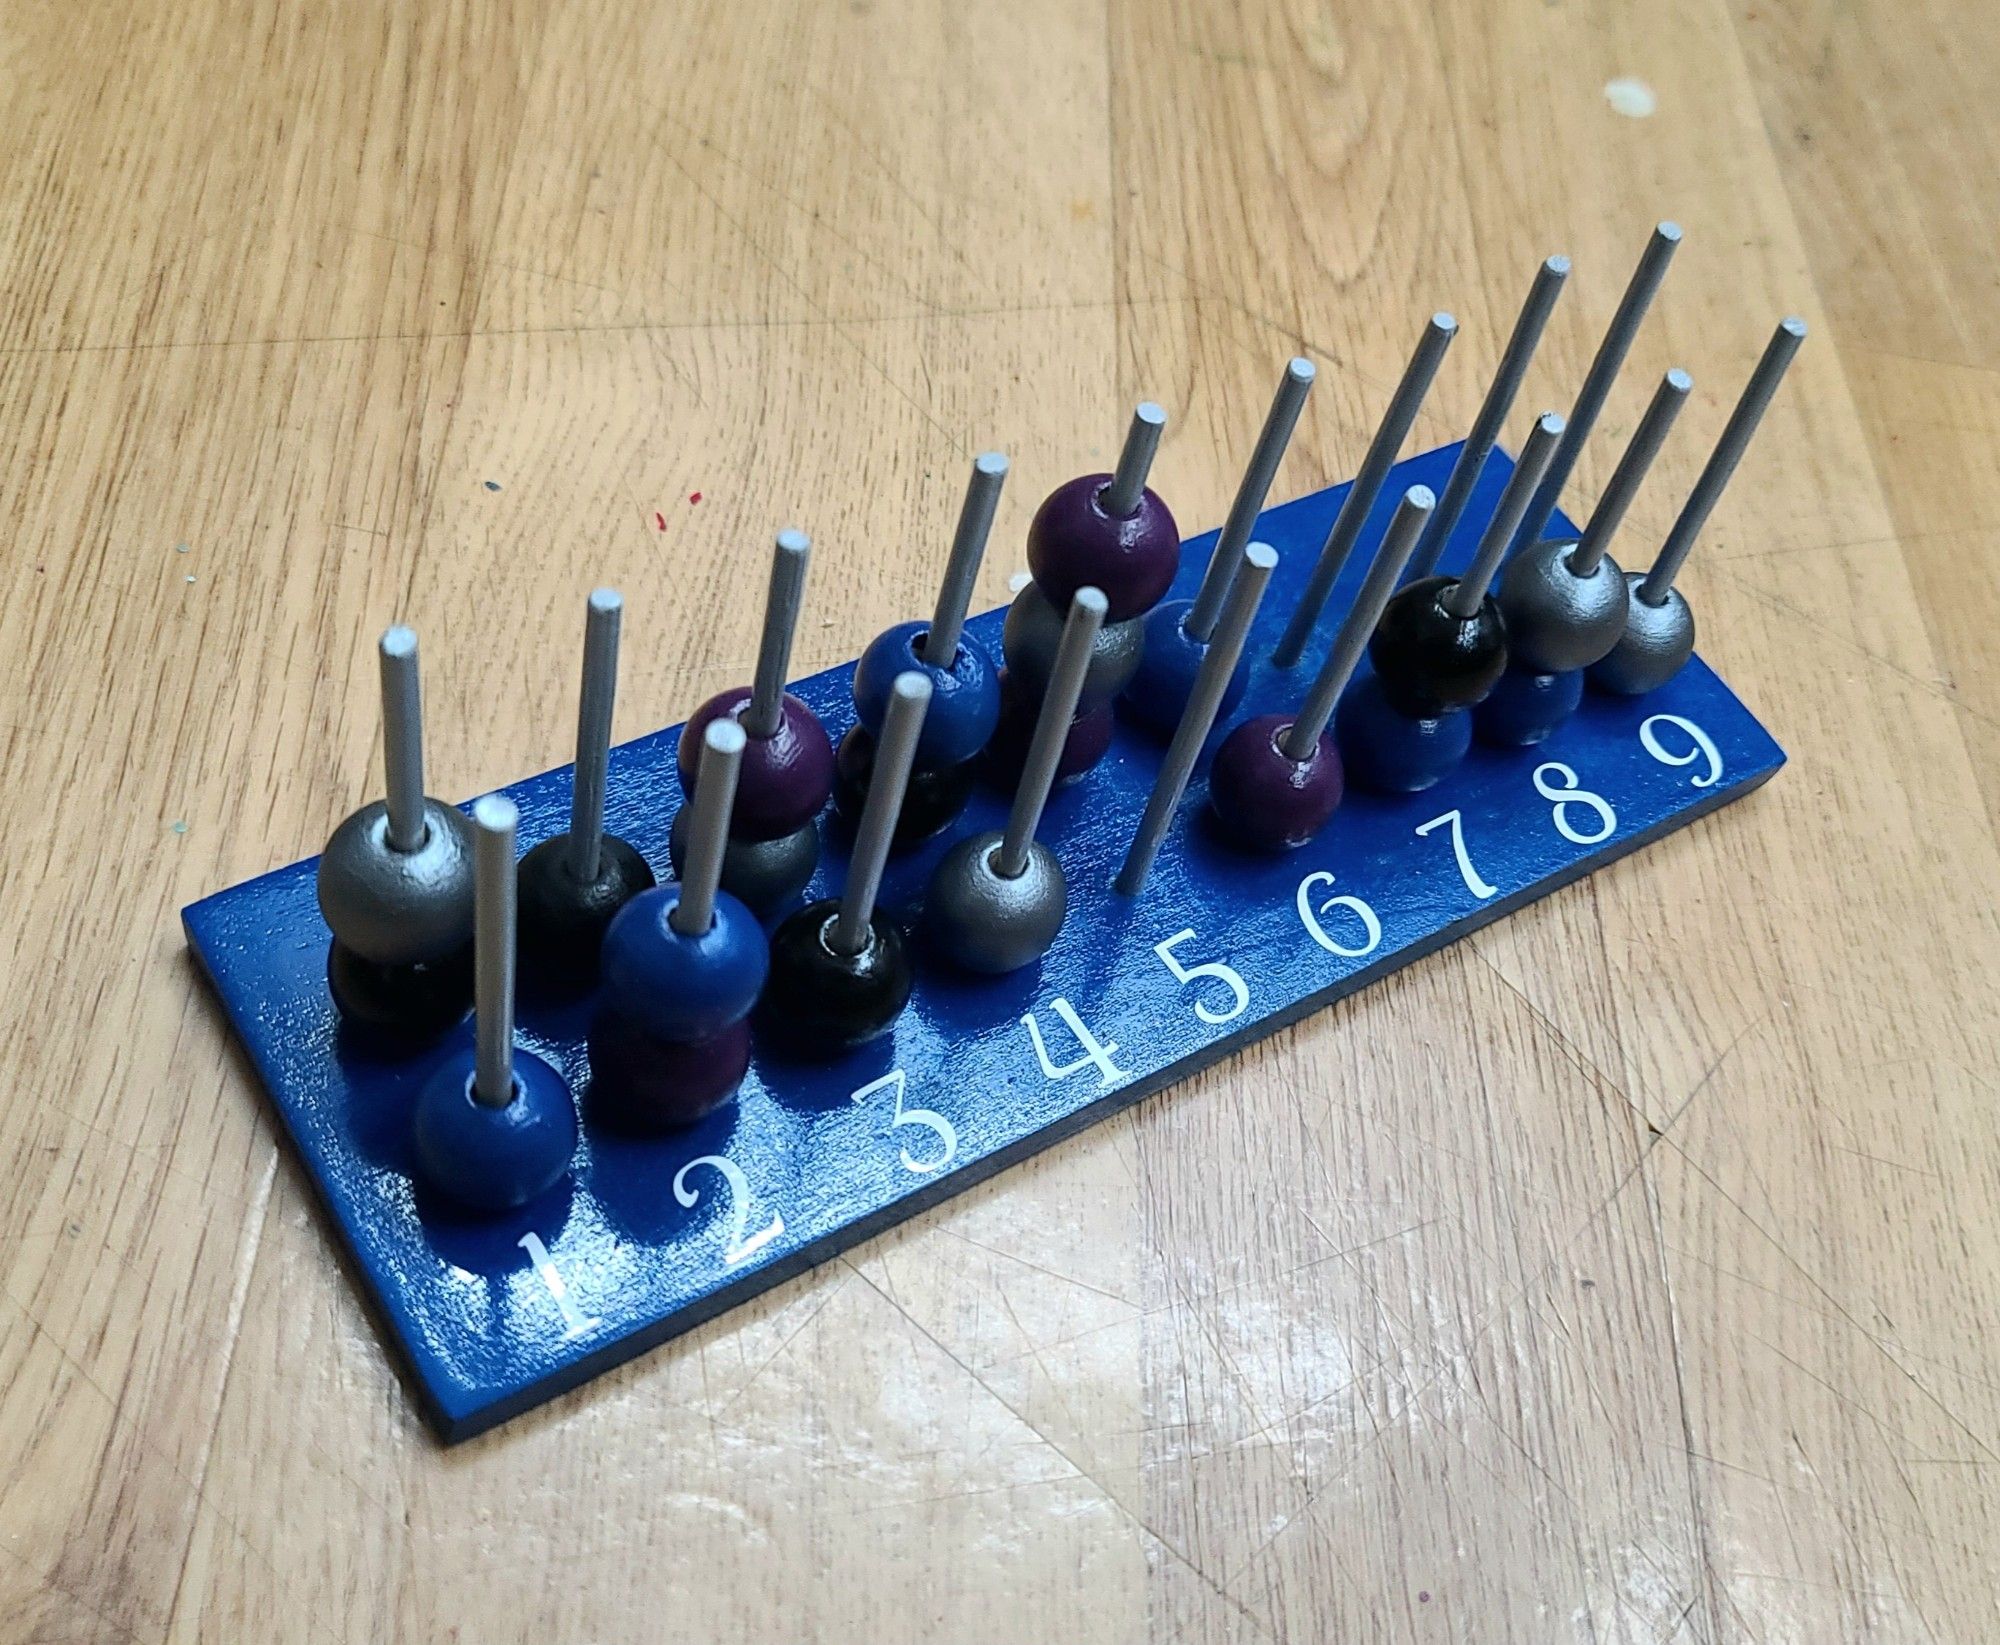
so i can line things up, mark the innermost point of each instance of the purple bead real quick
(1167, 669)
(1525, 707)
(785, 777)
(1391, 753)
(642, 1083)
(1073, 543)
(1088, 740)
(1263, 796)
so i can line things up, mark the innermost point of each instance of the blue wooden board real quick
(495, 1316)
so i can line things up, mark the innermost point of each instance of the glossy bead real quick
(764, 875)
(1073, 543)
(493, 1159)
(985, 921)
(414, 1001)
(398, 907)
(1167, 668)
(1032, 632)
(1429, 661)
(1262, 796)
(563, 919)
(785, 778)
(678, 987)
(965, 698)
(934, 798)
(641, 1083)
(1390, 752)
(1557, 621)
(1654, 647)
(822, 1003)
(1525, 707)
(1088, 740)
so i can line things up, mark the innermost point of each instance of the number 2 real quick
(946, 1134)
(1452, 820)
(739, 1249)
(1224, 974)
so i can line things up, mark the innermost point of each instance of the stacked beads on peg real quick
(1248, 580)
(1658, 637)
(1110, 532)
(683, 965)
(840, 968)
(998, 899)
(395, 882)
(787, 770)
(965, 685)
(494, 1127)
(1179, 632)
(1440, 648)
(1564, 600)
(572, 884)
(1277, 778)
(1345, 532)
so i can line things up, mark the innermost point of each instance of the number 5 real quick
(1223, 974)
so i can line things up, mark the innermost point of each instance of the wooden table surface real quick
(1624, 1273)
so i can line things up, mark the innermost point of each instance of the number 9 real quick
(1649, 740)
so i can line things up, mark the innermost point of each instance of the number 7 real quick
(1473, 883)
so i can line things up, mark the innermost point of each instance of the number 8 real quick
(1571, 794)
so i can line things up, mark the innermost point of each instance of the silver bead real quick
(1657, 642)
(1034, 629)
(1558, 621)
(987, 922)
(399, 907)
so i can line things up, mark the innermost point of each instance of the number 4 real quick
(1226, 975)
(1473, 883)
(1094, 1054)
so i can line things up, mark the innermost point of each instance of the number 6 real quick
(1223, 974)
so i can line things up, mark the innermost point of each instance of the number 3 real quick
(946, 1134)
(1223, 974)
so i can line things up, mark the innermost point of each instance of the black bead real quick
(821, 1003)
(1428, 660)
(933, 800)
(562, 918)
(414, 1002)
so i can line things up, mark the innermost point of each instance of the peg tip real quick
(1262, 555)
(793, 541)
(607, 602)
(399, 642)
(1300, 369)
(1558, 265)
(1679, 381)
(1420, 497)
(1551, 423)
(725, 735)
(1793, 326)
(992, 464)
(1445, 322)
(1092, 600)
(1152, 415)
(1667, 229)
(495, 814)
(911, 687)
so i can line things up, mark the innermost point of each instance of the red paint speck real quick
(694, 496)
(659, 519)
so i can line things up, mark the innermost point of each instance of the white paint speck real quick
(1019, 581)
(1630, 96)
(189, 577)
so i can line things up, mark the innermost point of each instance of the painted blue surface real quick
(646, 1239)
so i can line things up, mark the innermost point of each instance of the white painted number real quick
(1567, 794)
(1094, 1055)
(1371, 927)
(1649, 739)
(1473, 883)
(894, 1081)
(1226, 975)
(739, 1249)
(575, 1323)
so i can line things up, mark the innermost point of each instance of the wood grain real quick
(1624, 1273)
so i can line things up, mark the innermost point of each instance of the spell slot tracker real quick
(668, 1096)
(648, 1236)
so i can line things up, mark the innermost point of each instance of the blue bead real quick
(1390, 752)
(683, 988)
(1524, 708)
(493, 1159)
(1159, 690)
(965, 698)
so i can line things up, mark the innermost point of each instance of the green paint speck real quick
(180, 548)
(492, 485)
(178, 826)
